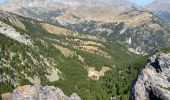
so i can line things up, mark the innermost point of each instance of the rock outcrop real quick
(37, 92)
(153, 82)
(12, 33)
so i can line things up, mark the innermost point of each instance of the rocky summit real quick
(153, 82)
(36, 92)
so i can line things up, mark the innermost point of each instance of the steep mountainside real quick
(153, 81)
(36, 52)
(141, 31)
(161, 8)
(113, 20)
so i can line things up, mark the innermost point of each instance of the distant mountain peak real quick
(28, 3)
(98, 2)
(161, 8)
(159, 5)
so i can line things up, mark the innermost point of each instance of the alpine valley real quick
(82, 50)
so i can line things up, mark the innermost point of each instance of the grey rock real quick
(37, 92)
(153, 82)
(74, 96)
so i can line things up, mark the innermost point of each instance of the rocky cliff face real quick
(153, 82)
(37, 92)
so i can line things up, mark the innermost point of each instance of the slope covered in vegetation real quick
(75, 62)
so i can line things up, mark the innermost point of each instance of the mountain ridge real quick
(76, 10)
(160, 8)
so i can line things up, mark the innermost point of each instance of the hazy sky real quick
(2, 1)
(141, 2)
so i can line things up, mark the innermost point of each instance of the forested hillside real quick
(33, 51)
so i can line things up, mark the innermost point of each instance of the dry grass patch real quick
(54, 29)
(34, 80)
(17, 22)
(93, 49)
(95, 75)
(81, 58)
(91, 43)
(54, 75)
(65, 51)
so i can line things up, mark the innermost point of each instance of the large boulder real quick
(36, 92)
(153, 83)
